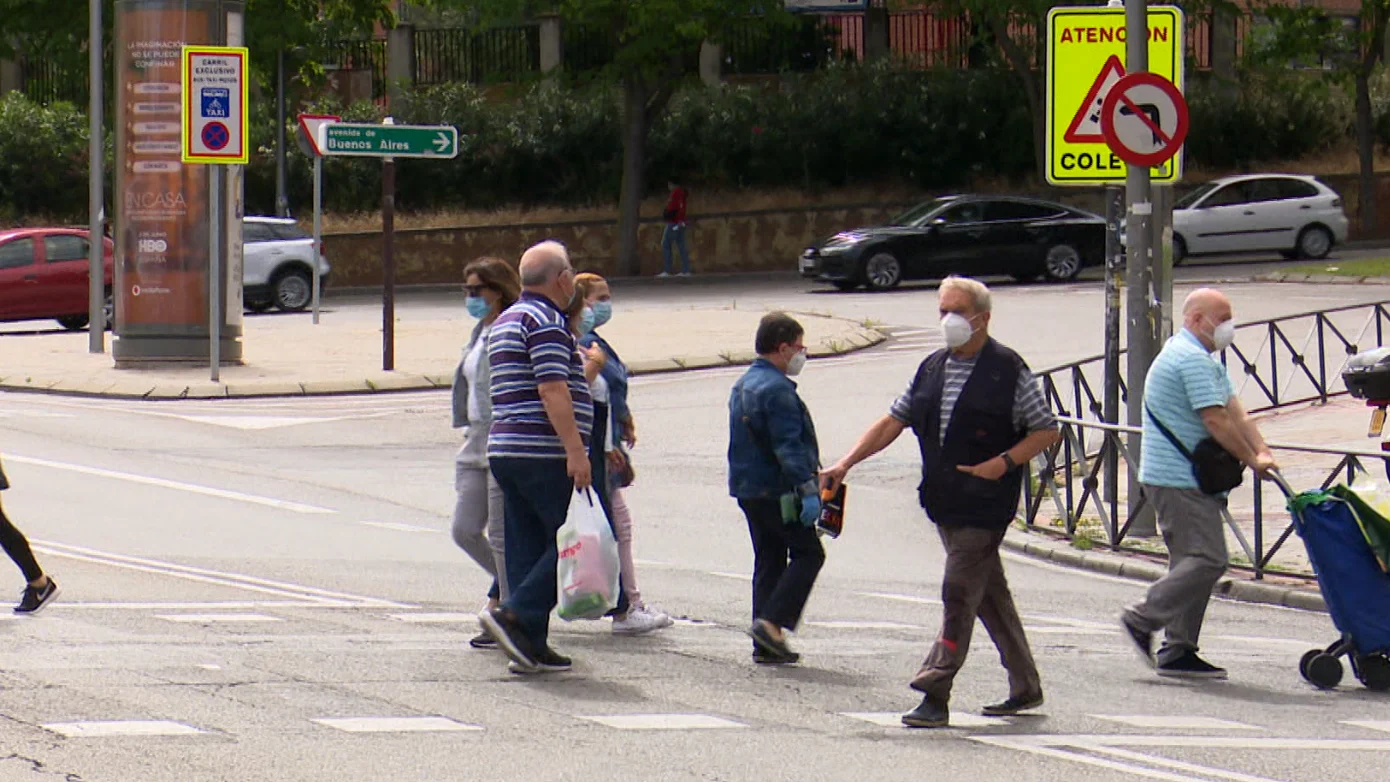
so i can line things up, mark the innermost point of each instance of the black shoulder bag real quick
(1216, 469)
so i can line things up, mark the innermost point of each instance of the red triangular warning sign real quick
(1085, 126)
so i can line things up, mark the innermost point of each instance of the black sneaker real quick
(505, 627)
(483, 640)
(547, 661)
(928, 714)
(1143, 641)
(1013, 706)
(763, 657)
(35, 600)
(1190, 666)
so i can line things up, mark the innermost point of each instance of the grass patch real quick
(1354, 267)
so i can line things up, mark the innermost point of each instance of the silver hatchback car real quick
(1297, 216)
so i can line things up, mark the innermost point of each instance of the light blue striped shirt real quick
(1182, 381)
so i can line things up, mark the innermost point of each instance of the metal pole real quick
(96, 200)
(1114, 265)
(388, 288)
(282, 200)
(1139, 267)
(1162, 225)
(318, 229)
(215, 270)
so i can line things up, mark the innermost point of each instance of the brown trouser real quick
(972, 586)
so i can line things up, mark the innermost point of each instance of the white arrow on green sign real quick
(365, 140)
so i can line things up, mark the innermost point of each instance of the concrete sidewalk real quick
(287, 355)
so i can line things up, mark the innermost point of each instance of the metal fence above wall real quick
(477, 57)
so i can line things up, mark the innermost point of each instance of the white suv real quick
(1298, 216)
(276, 255)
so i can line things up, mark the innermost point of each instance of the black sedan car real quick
(1023, 238)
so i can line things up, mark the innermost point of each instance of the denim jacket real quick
(772, 441)
(614, 372)
(482, 387)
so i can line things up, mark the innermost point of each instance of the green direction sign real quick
(363, 140)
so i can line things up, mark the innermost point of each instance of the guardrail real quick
(1275, 363)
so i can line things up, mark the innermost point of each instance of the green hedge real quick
(840, 126)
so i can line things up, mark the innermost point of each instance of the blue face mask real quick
(603, 312)
(478, 307)
(586, 321)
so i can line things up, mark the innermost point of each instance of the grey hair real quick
(976, 290)
(543, 263)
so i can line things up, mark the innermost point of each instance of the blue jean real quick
(536, 496)
(675, 235)
(598, 464)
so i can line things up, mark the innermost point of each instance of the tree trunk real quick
(1365, 151)
(1022, 66)
(635, 126)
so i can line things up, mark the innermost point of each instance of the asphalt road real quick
(246, 575)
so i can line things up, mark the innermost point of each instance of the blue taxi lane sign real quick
(216, 101)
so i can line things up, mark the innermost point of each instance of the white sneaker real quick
(685, 274)
(638, 622)
(664, 274)
(662, 618)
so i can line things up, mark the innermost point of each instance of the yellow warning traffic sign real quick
(1085, 58)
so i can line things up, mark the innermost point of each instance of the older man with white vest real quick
(978, 415)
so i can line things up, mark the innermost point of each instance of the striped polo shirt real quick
(531, 344)
(1183, 380)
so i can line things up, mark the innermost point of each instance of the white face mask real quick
(1224, 334)
(957, 329)
(796, 364)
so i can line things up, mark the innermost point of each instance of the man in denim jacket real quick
(773, 466)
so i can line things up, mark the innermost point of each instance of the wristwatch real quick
(1008, 461)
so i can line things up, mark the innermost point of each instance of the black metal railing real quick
(587, 47)
(1275, 363)
(488, 56)
(368, 56)
(1065, 485)
(807, 43)
(45, 81)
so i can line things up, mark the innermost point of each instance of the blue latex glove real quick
(810, 510)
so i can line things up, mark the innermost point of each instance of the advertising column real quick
(161, 204)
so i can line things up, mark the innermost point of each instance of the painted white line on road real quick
(1162, 722)
(928, 601)
(254, 422)
(211, 605)
(1380, 725)
(1252, 639)
(914, 332)
(904, 348)
(208, 667)
(851, 624)
(1025, 559)
(1111, 765)
(1055, 630)
(892, 719)
(1195, 742)
(664, 722)
(436, 618)
(86, 730)
(163, 483)
(397, 526)
(738, 576)
(395, 724)
(1177, 765)
(236, 580)
(213, 618)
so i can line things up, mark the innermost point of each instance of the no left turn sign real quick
(1144, 119)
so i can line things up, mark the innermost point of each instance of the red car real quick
(44, 274)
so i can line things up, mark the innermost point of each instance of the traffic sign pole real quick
(388, 285)
(318, 230)
(96, 198)
(1138, 270)
(215, 269)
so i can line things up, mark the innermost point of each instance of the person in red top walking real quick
(674, 214)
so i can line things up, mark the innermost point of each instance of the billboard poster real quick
(161, 210)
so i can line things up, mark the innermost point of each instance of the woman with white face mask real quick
(492, 286)
(613, 426)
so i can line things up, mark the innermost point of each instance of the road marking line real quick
(397, 526)
(851, 624)
(892, 719)
(1112, 765)
(1177, 765)
(1380, 725)
(84, 730)
(1252, 639)
(208, 667)
(664, 722)
(255, 422)
(212, 605)
(235, 580)
(1162, 722)
(1054, 630)
(395, 724)
(912, 332)
(211, 618)
(738, 576)
(163, 483)
(1041, 565)
(929, 601)
(436, 618)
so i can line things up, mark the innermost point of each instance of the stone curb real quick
(1141, 569)
(1320, 279)
(851, 341)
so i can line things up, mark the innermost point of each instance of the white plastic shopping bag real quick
(587, 573)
